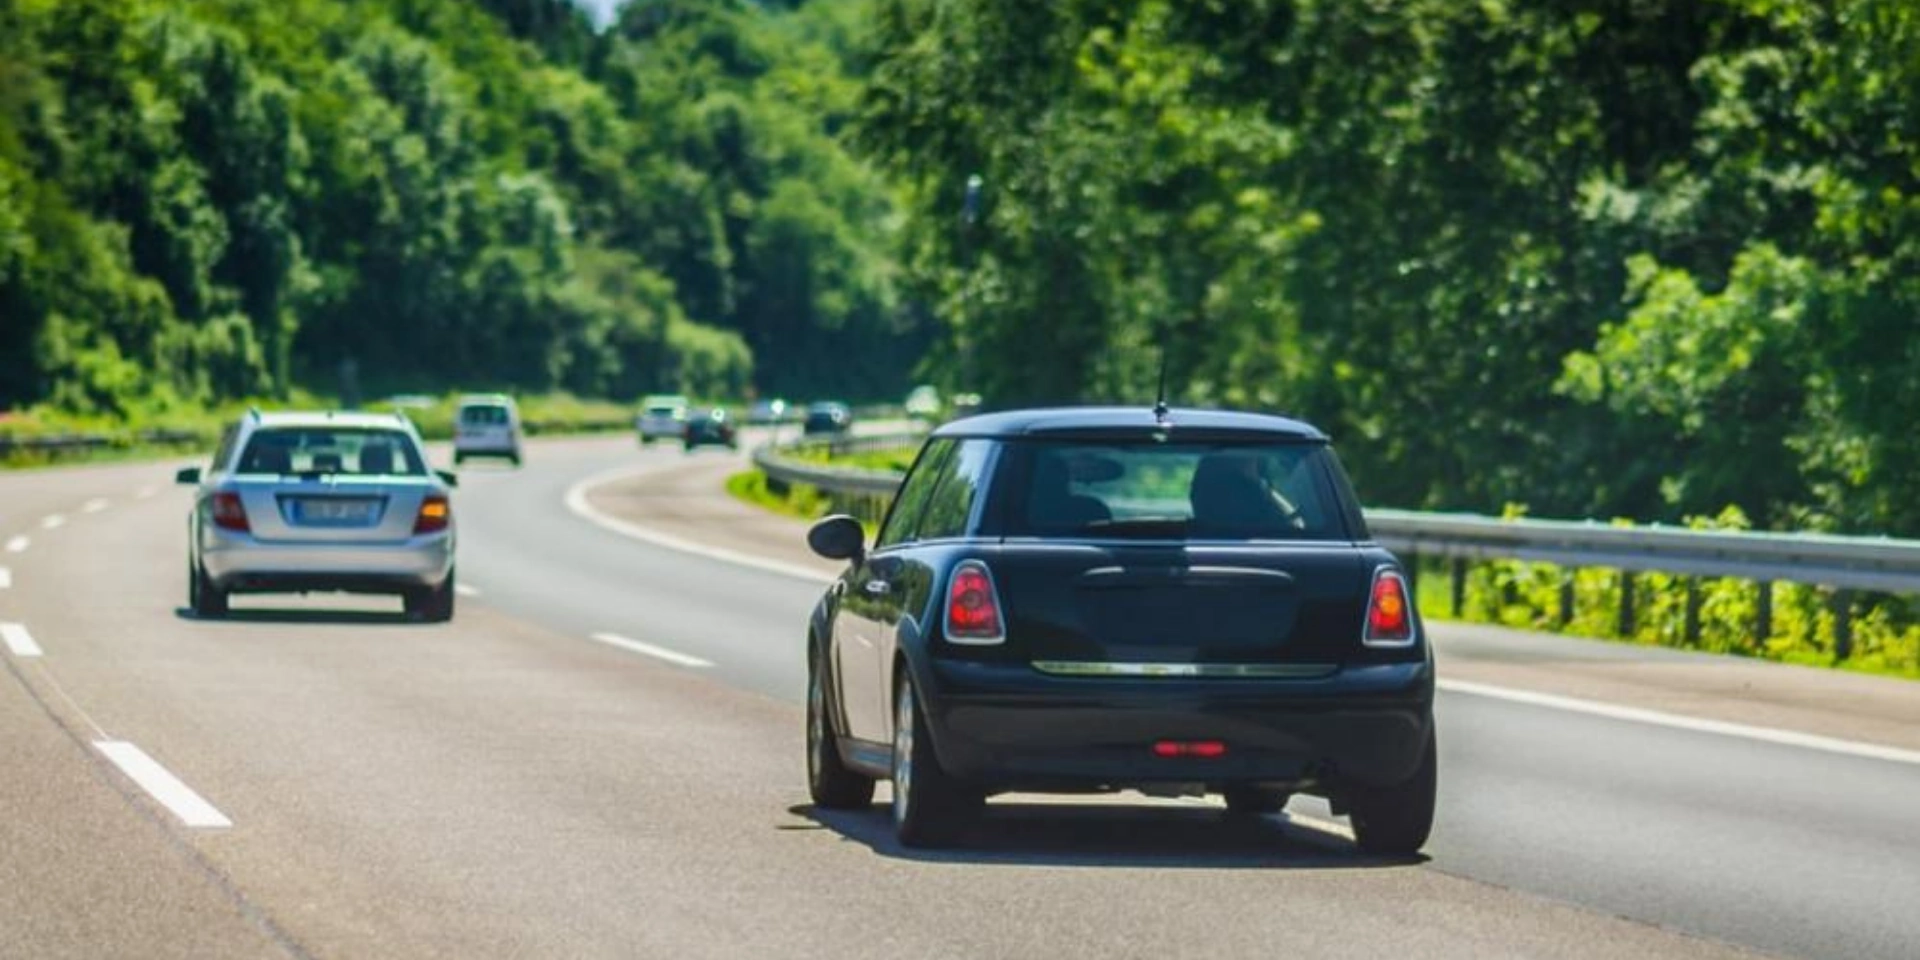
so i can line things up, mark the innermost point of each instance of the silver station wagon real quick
(321, 502)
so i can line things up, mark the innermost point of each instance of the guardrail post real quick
(1459, 586)
(1763, 614)
(1567, 595)
(1626, 603)
(1693, 611)
(1842, 625)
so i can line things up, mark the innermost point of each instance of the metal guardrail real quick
(1877, 564)
(779, 464)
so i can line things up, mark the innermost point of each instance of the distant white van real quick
(487, 425)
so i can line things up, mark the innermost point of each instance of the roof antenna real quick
(1160, 410)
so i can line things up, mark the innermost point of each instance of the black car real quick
(827, 419)
(712, 428)
(1095, 599)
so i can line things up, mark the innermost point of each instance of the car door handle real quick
(879, 588)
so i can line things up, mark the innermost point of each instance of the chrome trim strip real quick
(1242, 671)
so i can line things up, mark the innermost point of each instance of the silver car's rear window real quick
(484, 415)
(327, 450)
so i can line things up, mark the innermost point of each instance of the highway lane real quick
(506, 785)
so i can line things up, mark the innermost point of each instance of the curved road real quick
(600, 757)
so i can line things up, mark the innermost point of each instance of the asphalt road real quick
(508, 785)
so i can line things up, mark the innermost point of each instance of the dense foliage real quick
(1648, 258)
(1635, 257)
(207, 199)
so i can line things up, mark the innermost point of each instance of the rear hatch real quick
(1174, 603)
(1224, 551)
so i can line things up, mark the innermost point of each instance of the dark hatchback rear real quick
(1089, 599)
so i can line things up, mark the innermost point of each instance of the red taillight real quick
(1389, 610)
(435, 514)
(1198, 749)
(228, 512)
(973, 606)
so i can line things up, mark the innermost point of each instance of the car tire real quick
(929, 808)
(514, 459)
(432, 604)
(1397, 820)
(459, 458)
(831, 784)
(203, 598)
(1254, 801)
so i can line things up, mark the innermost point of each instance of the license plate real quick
(335, 511)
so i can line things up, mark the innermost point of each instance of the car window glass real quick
(484, 415)
(951, 503)
(327, 450)
(914, 492)
(1232, 491)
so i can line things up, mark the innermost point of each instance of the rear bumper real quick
(241, 563)
(1007, 726)
(486, 448)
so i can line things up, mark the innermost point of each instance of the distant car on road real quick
(315, 502)
(765, 413)
(662, 416)
(711, 428)
(923, 403)
(1105, 598)
(827, 418)
(487, 425)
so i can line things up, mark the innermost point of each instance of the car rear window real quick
(327, 450)
(484, 415)
(1173, 490)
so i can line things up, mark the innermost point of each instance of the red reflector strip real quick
(1201, 749)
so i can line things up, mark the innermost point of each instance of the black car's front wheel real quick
(830, 782)
(929, 806)
(1396, 820)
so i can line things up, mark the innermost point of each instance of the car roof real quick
(486, 400)
(353, 420)
(1068, 420)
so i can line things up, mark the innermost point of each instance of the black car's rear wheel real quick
(203, 598)
(929, 806)
(829, 781)
(431, 604)
(1397, 820)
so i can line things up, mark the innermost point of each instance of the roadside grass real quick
(1526, 596)
(42, 437)
(799, 500)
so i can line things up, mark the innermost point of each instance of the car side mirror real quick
(187, 475)
(838, 537)
(448, 477)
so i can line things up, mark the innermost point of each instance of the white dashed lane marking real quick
(52, 522)
(192, 809)
(18, 640)
(18, 544)
(648, 649)
(94, 506)
(6, 578)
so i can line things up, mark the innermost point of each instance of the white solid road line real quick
(52, 521)
(93, 506)
(1789, 738)
(662, 653)
(18, 544)
(466, 590)
(6, 578)
(192, 809)
(577, 502)
(19, 640)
